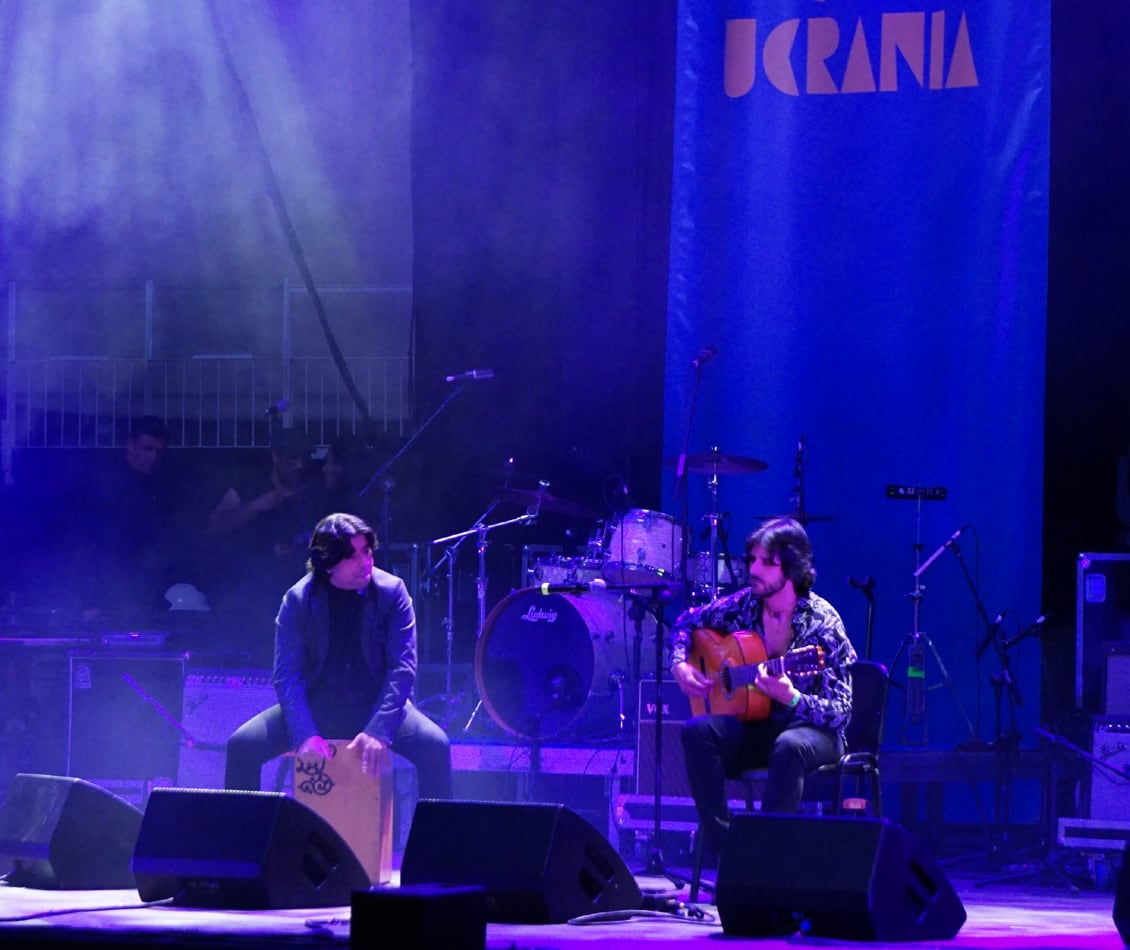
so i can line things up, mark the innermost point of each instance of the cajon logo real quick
(859, 57)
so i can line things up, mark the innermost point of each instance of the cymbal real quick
(719, 462)
(798, 516)
(546, 502)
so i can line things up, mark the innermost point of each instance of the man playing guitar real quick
(767, 672)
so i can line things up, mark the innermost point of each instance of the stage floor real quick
(1038, 910)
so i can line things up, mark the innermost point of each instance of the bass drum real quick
(562, 664)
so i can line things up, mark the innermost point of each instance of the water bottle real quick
(916, 679)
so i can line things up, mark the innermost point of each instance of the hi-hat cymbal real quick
(544, 501)
(715, 462)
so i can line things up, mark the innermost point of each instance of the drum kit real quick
(559, 656)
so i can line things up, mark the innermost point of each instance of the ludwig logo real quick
(537, 614)
(861, 57)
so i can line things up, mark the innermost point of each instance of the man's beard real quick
(764, 590)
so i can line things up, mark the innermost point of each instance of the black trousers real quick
(720, 747)
(263, 737)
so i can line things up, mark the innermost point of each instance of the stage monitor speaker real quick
(539, 863)
(241, 850)
(425, 915)
(845, 878)
(64, 833)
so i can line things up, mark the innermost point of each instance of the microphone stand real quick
(389, 484)
(656, 865)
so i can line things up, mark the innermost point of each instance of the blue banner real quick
(859, 226)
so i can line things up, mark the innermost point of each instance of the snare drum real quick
(644, 547)
(699, 573)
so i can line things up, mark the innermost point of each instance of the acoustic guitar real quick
(731, 662)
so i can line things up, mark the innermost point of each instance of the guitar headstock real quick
(805, 662)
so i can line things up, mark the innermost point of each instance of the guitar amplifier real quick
(216, 703)
(1109, 791)
(673, 771)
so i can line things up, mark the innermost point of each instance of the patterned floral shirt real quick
(826, 697)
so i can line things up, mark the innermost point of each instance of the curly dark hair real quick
(332, 541)
(786, 540)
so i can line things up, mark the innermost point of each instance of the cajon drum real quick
(357, 805)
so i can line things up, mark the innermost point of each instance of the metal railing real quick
(207, 402)
(81, 365)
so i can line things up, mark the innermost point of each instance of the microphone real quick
(988, 637)
(1034, 627)
(705, 355)
(864, 584)
(281, 405)
(595, 584)
(470, 374)
(950, 542)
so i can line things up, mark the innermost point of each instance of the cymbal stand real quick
(656, 865)
(479, 530)
(713, 517)
(798, 484)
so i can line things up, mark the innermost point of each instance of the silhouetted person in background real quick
(131, 533)
(257, 535)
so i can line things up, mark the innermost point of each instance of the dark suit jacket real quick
(388, 643)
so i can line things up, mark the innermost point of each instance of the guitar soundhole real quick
(727, 680)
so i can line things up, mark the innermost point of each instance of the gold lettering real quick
(908, 41)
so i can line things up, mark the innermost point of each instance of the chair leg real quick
(696, 870)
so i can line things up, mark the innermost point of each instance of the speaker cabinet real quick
(1102, 619)
(216, 703)
(1121, 912)
(1108, 793)
(1116, 681)
(242, 850)
(67, 834)
(539, 863)
(425, 915)
(673, 780)
(124, 716)
(845, 878)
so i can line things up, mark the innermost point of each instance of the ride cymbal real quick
(715, 462)
(544, 501)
